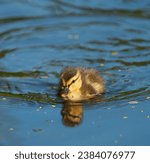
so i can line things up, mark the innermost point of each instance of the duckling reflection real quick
(72, 113)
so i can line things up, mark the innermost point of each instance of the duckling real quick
(78, 84)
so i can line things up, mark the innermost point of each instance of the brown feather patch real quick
(68, 73)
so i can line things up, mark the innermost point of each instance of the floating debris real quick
(108, 108)
(73, 36)
(102, 64)
(11, 129)
(148, 116)
(132, 107)
(3, 98)
(45, 77)
(54, 87)
(50, 121)
(133, 102)
(142, 111)
(53, 106)
(125, 117)
(148, 98)
(114, 53)
(39, 108)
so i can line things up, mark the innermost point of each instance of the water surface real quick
(39, 38)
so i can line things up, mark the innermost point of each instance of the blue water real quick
(39, 38)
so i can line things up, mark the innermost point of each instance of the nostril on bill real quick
(65, 90)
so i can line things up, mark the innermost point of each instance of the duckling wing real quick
(95, 81)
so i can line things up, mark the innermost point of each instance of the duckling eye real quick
(73, 81)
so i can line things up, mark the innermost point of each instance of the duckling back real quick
(93, 83)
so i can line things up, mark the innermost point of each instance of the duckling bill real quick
(77, 84)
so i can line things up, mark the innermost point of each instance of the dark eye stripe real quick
(73, 81)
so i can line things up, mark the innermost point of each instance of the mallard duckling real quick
(77, 84)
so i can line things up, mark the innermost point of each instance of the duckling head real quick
(70, 82)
